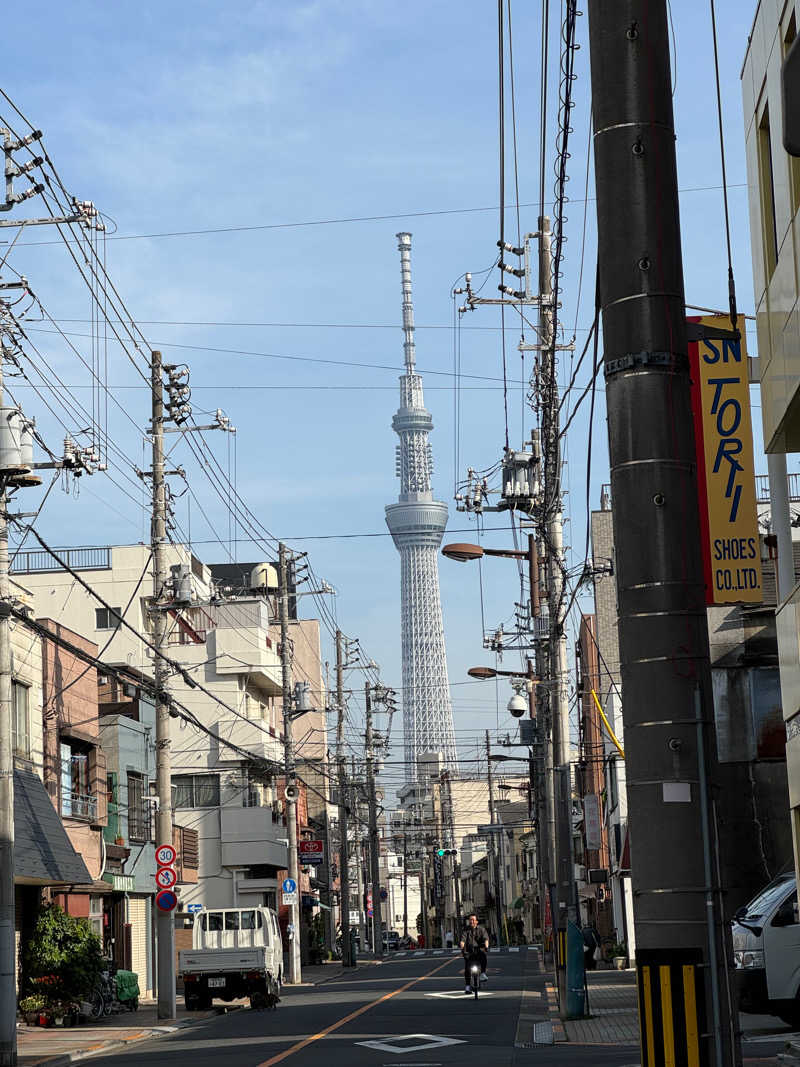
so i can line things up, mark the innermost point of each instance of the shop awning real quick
(43, 854)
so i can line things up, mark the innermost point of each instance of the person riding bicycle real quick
(473, 945)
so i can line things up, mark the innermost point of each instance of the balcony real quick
(78, 806)
(255, 735)
(246, 650)
(250, 837)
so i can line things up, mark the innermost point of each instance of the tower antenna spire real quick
(409, 346)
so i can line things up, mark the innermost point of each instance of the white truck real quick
(766, 949)
(236, 952)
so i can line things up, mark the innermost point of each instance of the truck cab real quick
(766, 948)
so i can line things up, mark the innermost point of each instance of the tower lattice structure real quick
(417, 523)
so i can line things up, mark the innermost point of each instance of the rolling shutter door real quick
(140, 934)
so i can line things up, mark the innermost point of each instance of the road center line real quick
(348, 1018)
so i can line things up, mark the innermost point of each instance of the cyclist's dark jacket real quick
(475, 940)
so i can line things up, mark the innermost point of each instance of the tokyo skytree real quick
(417, 524)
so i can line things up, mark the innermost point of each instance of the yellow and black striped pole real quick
(672, 1017)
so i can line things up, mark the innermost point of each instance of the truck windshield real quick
(768, 898)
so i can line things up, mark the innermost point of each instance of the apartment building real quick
(224, 769)
(773, 179)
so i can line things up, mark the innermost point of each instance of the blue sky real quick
(184, 117)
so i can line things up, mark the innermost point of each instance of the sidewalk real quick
(58, 1047)
(613, 1009)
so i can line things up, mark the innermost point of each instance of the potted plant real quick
(619, 955)
(30, 1007)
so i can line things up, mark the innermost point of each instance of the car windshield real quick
(766, 900)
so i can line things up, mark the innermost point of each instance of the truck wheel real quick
(206, 1002)
(258, 1001)
(192, 1001)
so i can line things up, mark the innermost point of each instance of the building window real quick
(195, 790)
(76, 799)
(138, 809)
(107, 618)
(769, 225)
(21, 731)
(794, 161)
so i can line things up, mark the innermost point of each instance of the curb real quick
(62, 1059)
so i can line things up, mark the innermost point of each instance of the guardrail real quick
(37, 561)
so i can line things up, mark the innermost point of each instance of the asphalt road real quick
(407, 1013)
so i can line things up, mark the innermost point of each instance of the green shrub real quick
(62, 959)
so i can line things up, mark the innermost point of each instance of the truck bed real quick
(221, 960)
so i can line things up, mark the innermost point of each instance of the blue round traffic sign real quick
(166, 900)
(289, 885)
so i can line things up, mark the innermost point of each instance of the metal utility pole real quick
(290, 788)
(344, 851)
(682, 945)
(165, 922)
(8, 993)
(374, 840)
(492, 844)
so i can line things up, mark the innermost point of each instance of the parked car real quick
(236, 952)
(407, 942)
(391, 941)
(766, 949)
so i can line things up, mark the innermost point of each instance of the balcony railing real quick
(78, 805)
(37, 561)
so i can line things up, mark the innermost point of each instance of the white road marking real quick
(425, 1041)
(514, 949)
(455, 994)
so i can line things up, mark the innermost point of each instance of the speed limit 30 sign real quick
(165, 855)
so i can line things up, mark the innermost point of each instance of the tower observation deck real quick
(417, 523)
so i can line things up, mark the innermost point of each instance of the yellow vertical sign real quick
(726, 468)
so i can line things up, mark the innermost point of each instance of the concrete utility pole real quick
(682, 946)
(492, 843)
(344, 851)
(405, 882)
(165, 922)
(290, 789)
(374, 840)
(8, 994)
(360, 879)
(558, 773)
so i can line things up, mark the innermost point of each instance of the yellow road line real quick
(348, 1018)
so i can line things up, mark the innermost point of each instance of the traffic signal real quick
(442, 852)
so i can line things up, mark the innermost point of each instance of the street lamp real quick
(465, 553)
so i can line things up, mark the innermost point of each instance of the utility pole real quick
(405, 882)
(8, 994)
(165, 922)
(290, 787)
(558, 771)
(682, 944)
(362, 911)
(492, 845)
(374, 841)
(344, 851)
